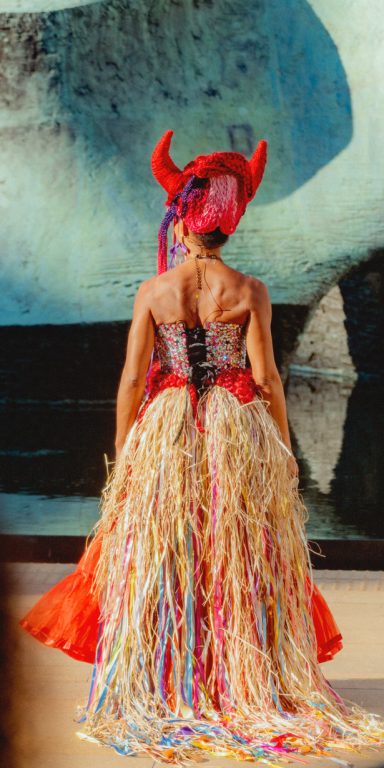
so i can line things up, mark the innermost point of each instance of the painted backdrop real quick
(88, 88)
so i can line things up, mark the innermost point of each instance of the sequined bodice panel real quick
(200, 352)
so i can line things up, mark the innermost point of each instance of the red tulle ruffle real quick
(238, 381)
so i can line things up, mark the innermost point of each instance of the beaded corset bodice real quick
(201, 352)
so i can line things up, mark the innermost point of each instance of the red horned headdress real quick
(211, 191)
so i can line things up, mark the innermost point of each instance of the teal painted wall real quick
(87, 91)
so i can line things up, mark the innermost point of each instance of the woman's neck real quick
(194, 249)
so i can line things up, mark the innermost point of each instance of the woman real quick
(194, 599)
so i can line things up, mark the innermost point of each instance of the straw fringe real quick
(207, 643)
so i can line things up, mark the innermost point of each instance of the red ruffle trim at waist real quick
(238, 381)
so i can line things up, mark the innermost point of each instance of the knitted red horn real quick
(257, 163)
(163, 168)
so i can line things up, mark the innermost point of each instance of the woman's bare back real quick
(225, 295)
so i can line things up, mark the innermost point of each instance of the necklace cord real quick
(199, 284)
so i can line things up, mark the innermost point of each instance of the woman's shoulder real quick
(257, 296)
(259, 300)
(152, 289)
(256, 287)
(254, 283)
(150, 284)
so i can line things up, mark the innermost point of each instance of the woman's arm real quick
(262, 360)
(132, 382)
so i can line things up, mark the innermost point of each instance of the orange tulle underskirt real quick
(67, 615)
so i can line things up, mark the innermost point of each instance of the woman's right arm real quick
(132, 382)
(262, 360)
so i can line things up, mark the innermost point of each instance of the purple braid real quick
(190, 187)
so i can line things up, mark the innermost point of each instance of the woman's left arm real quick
(132, 382)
